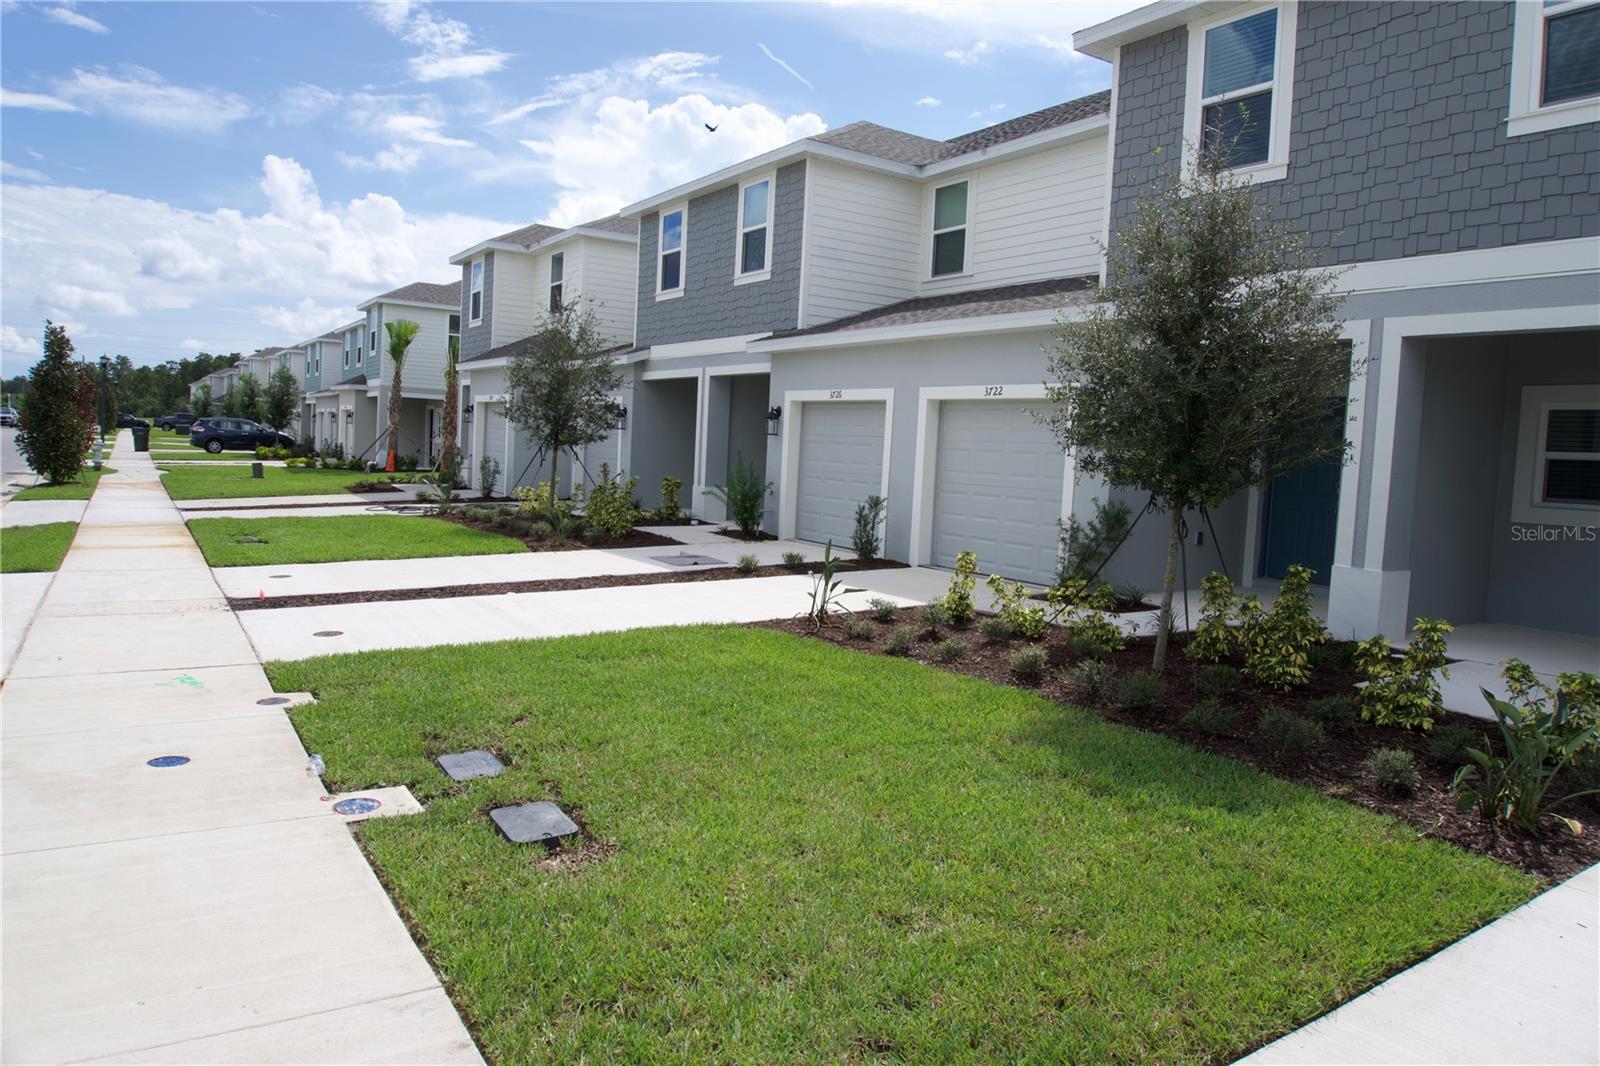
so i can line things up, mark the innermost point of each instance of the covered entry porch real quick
(697, 424)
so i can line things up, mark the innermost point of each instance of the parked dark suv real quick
(127, 421)
(176, 420)
(235, 434)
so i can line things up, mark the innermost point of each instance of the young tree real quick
(452, 400)
(1211, 361)
(60, 411)
(250, 398)
(401, 333)
(282, 400)
(201, 403)
(562, 379)
(231, 408)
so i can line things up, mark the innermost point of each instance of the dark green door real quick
(1301, 516)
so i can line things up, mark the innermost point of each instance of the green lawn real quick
(252, 541)
(187, 454)
(234, 482)
(34, 549)
(80, 489)
(823, 856)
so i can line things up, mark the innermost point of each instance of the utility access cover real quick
(687, 559)
(533, 823)
(465, 765)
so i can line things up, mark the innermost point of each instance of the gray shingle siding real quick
(1397, 144)
(711, 304)
(475, 340)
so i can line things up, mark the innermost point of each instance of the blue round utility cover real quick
(163, 761)
(357, 805)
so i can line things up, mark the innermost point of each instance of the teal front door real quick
(1301, 515)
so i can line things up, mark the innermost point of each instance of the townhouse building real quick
(1448, 155)
(508, 284)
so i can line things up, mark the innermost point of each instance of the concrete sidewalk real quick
(212, 912)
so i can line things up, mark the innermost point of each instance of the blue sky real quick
(229, 175)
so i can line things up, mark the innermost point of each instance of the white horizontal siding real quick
(521, 293)
(424, 365)
(863, 234)
(608, 273)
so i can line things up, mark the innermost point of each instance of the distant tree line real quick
(142, 390)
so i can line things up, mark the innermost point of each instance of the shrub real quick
(883, 610)
(1213, 633)
(745, 497)
(540, 500)
(1084, 611)
(997, 630)
(591, 535)
(826, 588)
(794, 560)
(1404, 691)
(1025, 616)
(957, 601)
(671, 510)
(747, 564)
(401, 462)
(1218, 679)
(934, 616)
(899, 642)
(59, 413)
(1211, 716)
(488, 474)
(609, 505)
(1130, 594)
(1336, 714)
(1290, 735)
(1139, 690)
(859, 629)
(1092, 678)
(1029, 664)
(865, 540)
(263, 452)
(539, 530)
(1394, 771)
(1277, 644)
(1580, 690)
(1450, 742)
(1086, 546)
(1537, 744)
(948, 651)
(1340, 653)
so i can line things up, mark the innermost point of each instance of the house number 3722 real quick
(994, 390)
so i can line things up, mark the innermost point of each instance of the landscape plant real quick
(1214, 637)
(957, 600)
(794, 560)
(1092, 678)
(449, 429)
(671, 510)
(1028, 664)
(744, 496)
(827, 588)
(250, 398)
(1394, 771)
(1211, 716)
(1205, 363)
(1450, 742)
(488, 474)
(1218, 679)
(402, 332)
(1336, 714)
(747, 564)
(949, 650)
(1140, 690)
(59, 414)
(859, 629)
(1292, 736)
(882, 610)
(1526, 689)
(282, 401)
(563, 380)
(1404, 691)
(201, 403)
(1277, 642)
(1084, 611)
(1513, 785)
(608, 506)
(231, 407)
(1016, 608)
(1087, 546)
(866, 538)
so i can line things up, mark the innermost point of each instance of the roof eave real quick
(1033, 142)
(1010, 322)
(789, 153)
(424, 304)
(486, 246)
(1103, 39)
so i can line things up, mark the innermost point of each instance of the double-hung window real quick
(1239, 80)
(949, 230)
(361, 343)
(669, 253)
(475, 293)
(348, 340)
(455, 326)
(1555, 65)
(558, 269)
(373, 333)
(755, 223)
(1558, 456)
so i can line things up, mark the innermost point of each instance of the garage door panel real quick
(997, 492)
(841, 464)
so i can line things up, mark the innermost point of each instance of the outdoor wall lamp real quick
(467, 414)
(350, 416)
(773, 416)
(622, 416)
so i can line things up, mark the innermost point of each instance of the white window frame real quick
(349, 343)
(1525, 114)
(971, 182)
(1528, 484)
(361, 344)
(740, 277)
(682, 250)
(557, 283)
(372, 332)
(1276, 167)
(475, 274)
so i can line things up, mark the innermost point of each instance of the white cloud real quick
(538, 103)
(16, 173)
(68, 17)
(622, 149)
(422, 129)
(951, 27)
(929, 101)
(33, 101)
(305, 319)
(14, 343)
(189, 344)
(303, 102)
(175, 259)
(797, 75)
(447, 44)
(395, 159)
(142, 96)
(967, 57)
(61, 296)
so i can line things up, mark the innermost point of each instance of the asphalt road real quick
(14, 473)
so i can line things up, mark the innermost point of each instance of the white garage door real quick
(841, 464)
(495, 428)
(998, 490)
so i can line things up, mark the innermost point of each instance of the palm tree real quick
(401, 334)
(452, 397)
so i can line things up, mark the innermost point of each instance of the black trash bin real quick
(141, 438)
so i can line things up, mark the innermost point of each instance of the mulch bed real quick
(634, 538)
(734, 534)
(361, 488)
(560, 584)
(1335, 769)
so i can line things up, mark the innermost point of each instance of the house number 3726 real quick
(994, 390)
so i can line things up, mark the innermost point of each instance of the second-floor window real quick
(558, 268)
(1239, 71)
(475, 293)
(949, 230)
(755, 211)
(1555, 65)
(373, 333)
(670, 242)
(348, 340)
(455, 325)
(361, 344)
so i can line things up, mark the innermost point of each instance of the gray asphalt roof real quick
(528, 236)
(901, 147)
(971, 303)
(516, 346)
(426, 292)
